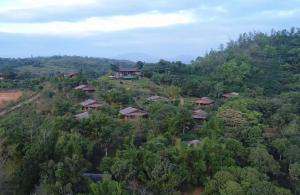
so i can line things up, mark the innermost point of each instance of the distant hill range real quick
(153, 59)
(60, 64)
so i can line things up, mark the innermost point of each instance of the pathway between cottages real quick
(8, 110)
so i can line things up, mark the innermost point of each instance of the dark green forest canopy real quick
(249, 144)
(256, 63)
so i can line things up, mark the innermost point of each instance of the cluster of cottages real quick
(136, 113)
(131, 113)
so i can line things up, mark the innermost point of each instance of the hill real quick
(229, 123)
(45, 66)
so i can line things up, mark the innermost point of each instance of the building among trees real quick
(133, 113)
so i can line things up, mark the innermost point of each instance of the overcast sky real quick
(150, 29)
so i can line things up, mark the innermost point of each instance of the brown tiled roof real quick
(200, 114)
(88, 88)
(80, 87)
(128, 110)
(268, 132)
(95, 105)
(133, 112)
(71, 74)
(87, 102)
(129, 70)
(230, 95)
(204, 101)
(156, 98)
(138, 113)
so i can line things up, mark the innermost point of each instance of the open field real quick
(8, 97)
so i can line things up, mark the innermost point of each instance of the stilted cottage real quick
(90, 104)
(200, 115)
(86, 88)
(133, 113)
(204, 101)
(230, 95)
(156, 98)
(71, 75)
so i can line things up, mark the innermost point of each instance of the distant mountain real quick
(183, 58)
(138, 57)
(153, 59)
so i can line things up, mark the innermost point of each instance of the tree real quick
(108, 187)
(294, 173)
(263, 161)
(114, 67)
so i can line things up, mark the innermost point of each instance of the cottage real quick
(71, 75)
(127, 73)
(200, 115)
(204, 101)
(156, 98)
(230, 95)
(133, 113)
(90, 104)
(81, 116)
(269, 132)
(86, 88)
(80, 87)
(194, 142)
(89, 89)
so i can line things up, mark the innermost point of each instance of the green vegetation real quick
(50, 66)
(249, 144)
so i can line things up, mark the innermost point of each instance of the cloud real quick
(38, 4)
(152, 19)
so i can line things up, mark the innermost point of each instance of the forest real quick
(248, 144)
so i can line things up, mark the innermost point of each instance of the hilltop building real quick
(127, 73)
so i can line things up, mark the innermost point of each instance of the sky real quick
(145, 30)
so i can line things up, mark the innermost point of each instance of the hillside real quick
(228, 124)
(45, 66)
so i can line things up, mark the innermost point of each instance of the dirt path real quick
(8, 110)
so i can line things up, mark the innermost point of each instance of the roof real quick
(88, 88)
(87, 102)
(200, 114)
(138, 113)
(83, 115)
(269, 132)
(230, 95)
(70, 74)
(128, 110)
(129, 70)
(94, 105)
(204, 100)
(80, 87)
(156, 98)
